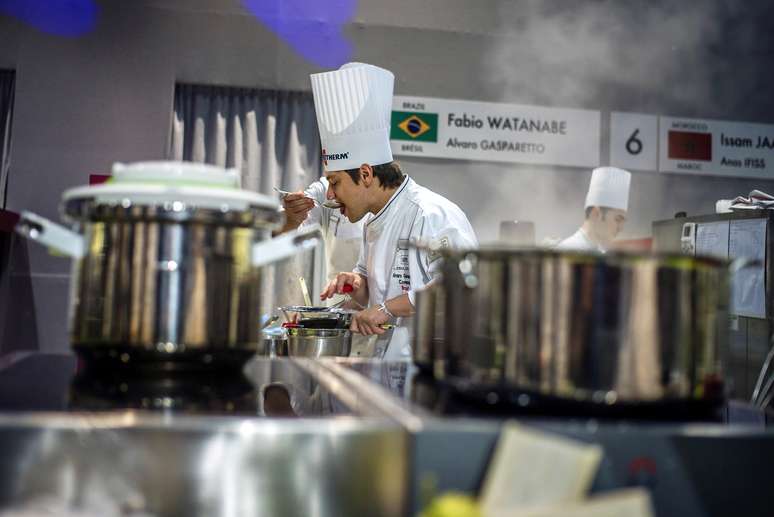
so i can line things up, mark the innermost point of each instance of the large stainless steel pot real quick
(429, 320)
(599, 328)
(168, 263)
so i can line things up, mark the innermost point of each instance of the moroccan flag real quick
(687, 145)
(407, 125)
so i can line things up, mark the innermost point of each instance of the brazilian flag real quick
(407, 125)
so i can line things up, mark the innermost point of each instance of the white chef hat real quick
(609, 187)
(353, 106)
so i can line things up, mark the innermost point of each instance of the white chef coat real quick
(413, 213)
(579, 241)
(342, 237)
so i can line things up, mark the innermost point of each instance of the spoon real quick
(327, 204)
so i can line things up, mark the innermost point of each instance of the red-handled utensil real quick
(348, 288)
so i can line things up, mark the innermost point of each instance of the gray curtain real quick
(7, 79)
(270, 136)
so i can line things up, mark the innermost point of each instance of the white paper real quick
(747, 239)
(712, 239)
(631, 502)
(532, 468)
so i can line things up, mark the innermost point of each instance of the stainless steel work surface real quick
(276, 387)
(131, 463)
(281, 437)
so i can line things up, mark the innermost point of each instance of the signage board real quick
(487, 131)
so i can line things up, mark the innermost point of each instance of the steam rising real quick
(662, 57)
(587, 54)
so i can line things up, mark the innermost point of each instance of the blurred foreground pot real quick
(598, 328)
(168, 263)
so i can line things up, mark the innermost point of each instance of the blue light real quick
(313, 28)
(58, 17)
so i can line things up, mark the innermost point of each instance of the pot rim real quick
(89, 210)
(612, 257)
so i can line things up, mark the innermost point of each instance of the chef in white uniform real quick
(342, 237)
(353, 106)
(607, 202)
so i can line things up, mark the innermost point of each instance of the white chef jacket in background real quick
(413, 213)
(579, 241)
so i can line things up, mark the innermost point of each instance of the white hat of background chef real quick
(353, 106)
(609, 187)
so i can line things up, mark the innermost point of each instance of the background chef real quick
(353, 107)
(607, 202)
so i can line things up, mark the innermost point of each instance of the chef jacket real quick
(579, 241)
(413, 214)
(342, 237)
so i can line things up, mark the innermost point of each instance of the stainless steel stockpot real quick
(429, 321)
(168, 262)
(601, 328)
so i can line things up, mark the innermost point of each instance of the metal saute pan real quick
(168, 263)
(317, 331)
(597, 328)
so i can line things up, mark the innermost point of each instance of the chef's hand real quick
(336, 286)
(367, 322)
(297, 207)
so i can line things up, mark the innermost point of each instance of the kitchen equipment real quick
(428, 325)
(688, 239)
(748, 233)
(312, 316)
(517, 233)
(304, 291)
(275, 342)
(589, 327)
(347, 288)
(316, 331)
(168, 264)
(336, 316)
(135, 463)
(318, 342)
(329, 203)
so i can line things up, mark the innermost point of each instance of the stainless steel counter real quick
(131, 463)
(334, 437)
(297, 441)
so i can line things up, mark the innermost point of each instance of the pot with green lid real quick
(168, 263)
(619, 327)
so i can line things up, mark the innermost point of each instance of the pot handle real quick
(58, 238)
(287, 245)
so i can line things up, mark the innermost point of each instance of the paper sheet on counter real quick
(747, 238)
(533, 468)
(631, 502)
(712, 239)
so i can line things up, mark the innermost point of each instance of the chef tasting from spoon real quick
(353, 107)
